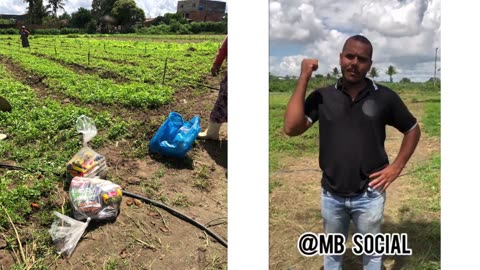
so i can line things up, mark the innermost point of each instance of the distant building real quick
(202, 10)
(19, 19)
(148, 22)
(23, 17)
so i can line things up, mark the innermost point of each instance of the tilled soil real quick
(143, 236)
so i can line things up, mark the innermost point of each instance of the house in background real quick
(202, 10)
(148, 22)
(19, 20)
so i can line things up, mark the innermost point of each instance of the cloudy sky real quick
(404, 33)
(152, 8)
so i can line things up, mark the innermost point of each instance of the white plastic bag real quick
(86, 126)
(66, 232)
(86, 162)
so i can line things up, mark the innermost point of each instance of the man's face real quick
(355, 61)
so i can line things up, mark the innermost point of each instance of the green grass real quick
(274, 185)
(423, 222)
(431, 120)
(282, 145)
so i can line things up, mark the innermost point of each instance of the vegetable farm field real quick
(128, 84)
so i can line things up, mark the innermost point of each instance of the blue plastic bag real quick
(175, 136)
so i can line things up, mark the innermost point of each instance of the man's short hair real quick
(361, 39)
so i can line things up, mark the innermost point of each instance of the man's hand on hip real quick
(383, 179)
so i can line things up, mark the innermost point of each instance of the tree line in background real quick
(108, 16)
(288, 83)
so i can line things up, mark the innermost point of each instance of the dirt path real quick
(295, 205)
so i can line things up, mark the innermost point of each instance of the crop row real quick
(89, 88)
(171, 64)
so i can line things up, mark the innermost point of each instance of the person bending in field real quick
(24, 37)
(352, 115)
(219, 112)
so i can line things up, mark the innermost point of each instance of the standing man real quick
(352, 116)
(24, 37)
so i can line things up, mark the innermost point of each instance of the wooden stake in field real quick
(164, 71)
(88, 57)
(145, 47)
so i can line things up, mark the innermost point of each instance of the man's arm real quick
(386, 176)
(295, 122)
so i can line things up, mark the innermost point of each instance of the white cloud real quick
(73, 6)
(8, 7)
(392, 18)
(404, 33)
(156, 8)
(294, 21)
(288, 65)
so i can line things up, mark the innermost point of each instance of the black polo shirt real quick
(352, 133)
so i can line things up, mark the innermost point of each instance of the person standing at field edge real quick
(218, 114)
(24, 37)
(352, 116)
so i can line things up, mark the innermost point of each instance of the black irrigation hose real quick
(155, 203)
(207, 86)
(200, 84)
(318, 170)
(179, 215)
(13, 167)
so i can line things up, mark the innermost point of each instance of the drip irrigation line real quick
(197, 83)
(215, 224)
(18, 168)
(318, 170)
(299, 170)
(147, 200)
(179, 215)
(207, 86)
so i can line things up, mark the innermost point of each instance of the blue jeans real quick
(366, 212)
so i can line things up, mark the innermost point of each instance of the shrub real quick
(9, 31)
(68, 31)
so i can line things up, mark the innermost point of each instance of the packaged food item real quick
(86, 162)
(94, 198)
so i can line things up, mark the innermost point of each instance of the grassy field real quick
(413, 201)
(123, 83)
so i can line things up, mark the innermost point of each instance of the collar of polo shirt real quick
(370, 83)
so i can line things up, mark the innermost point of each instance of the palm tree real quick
(36, 11)
(55, 5)
(335, 72)
(373, 73)
(30, 9)
(391, 71)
